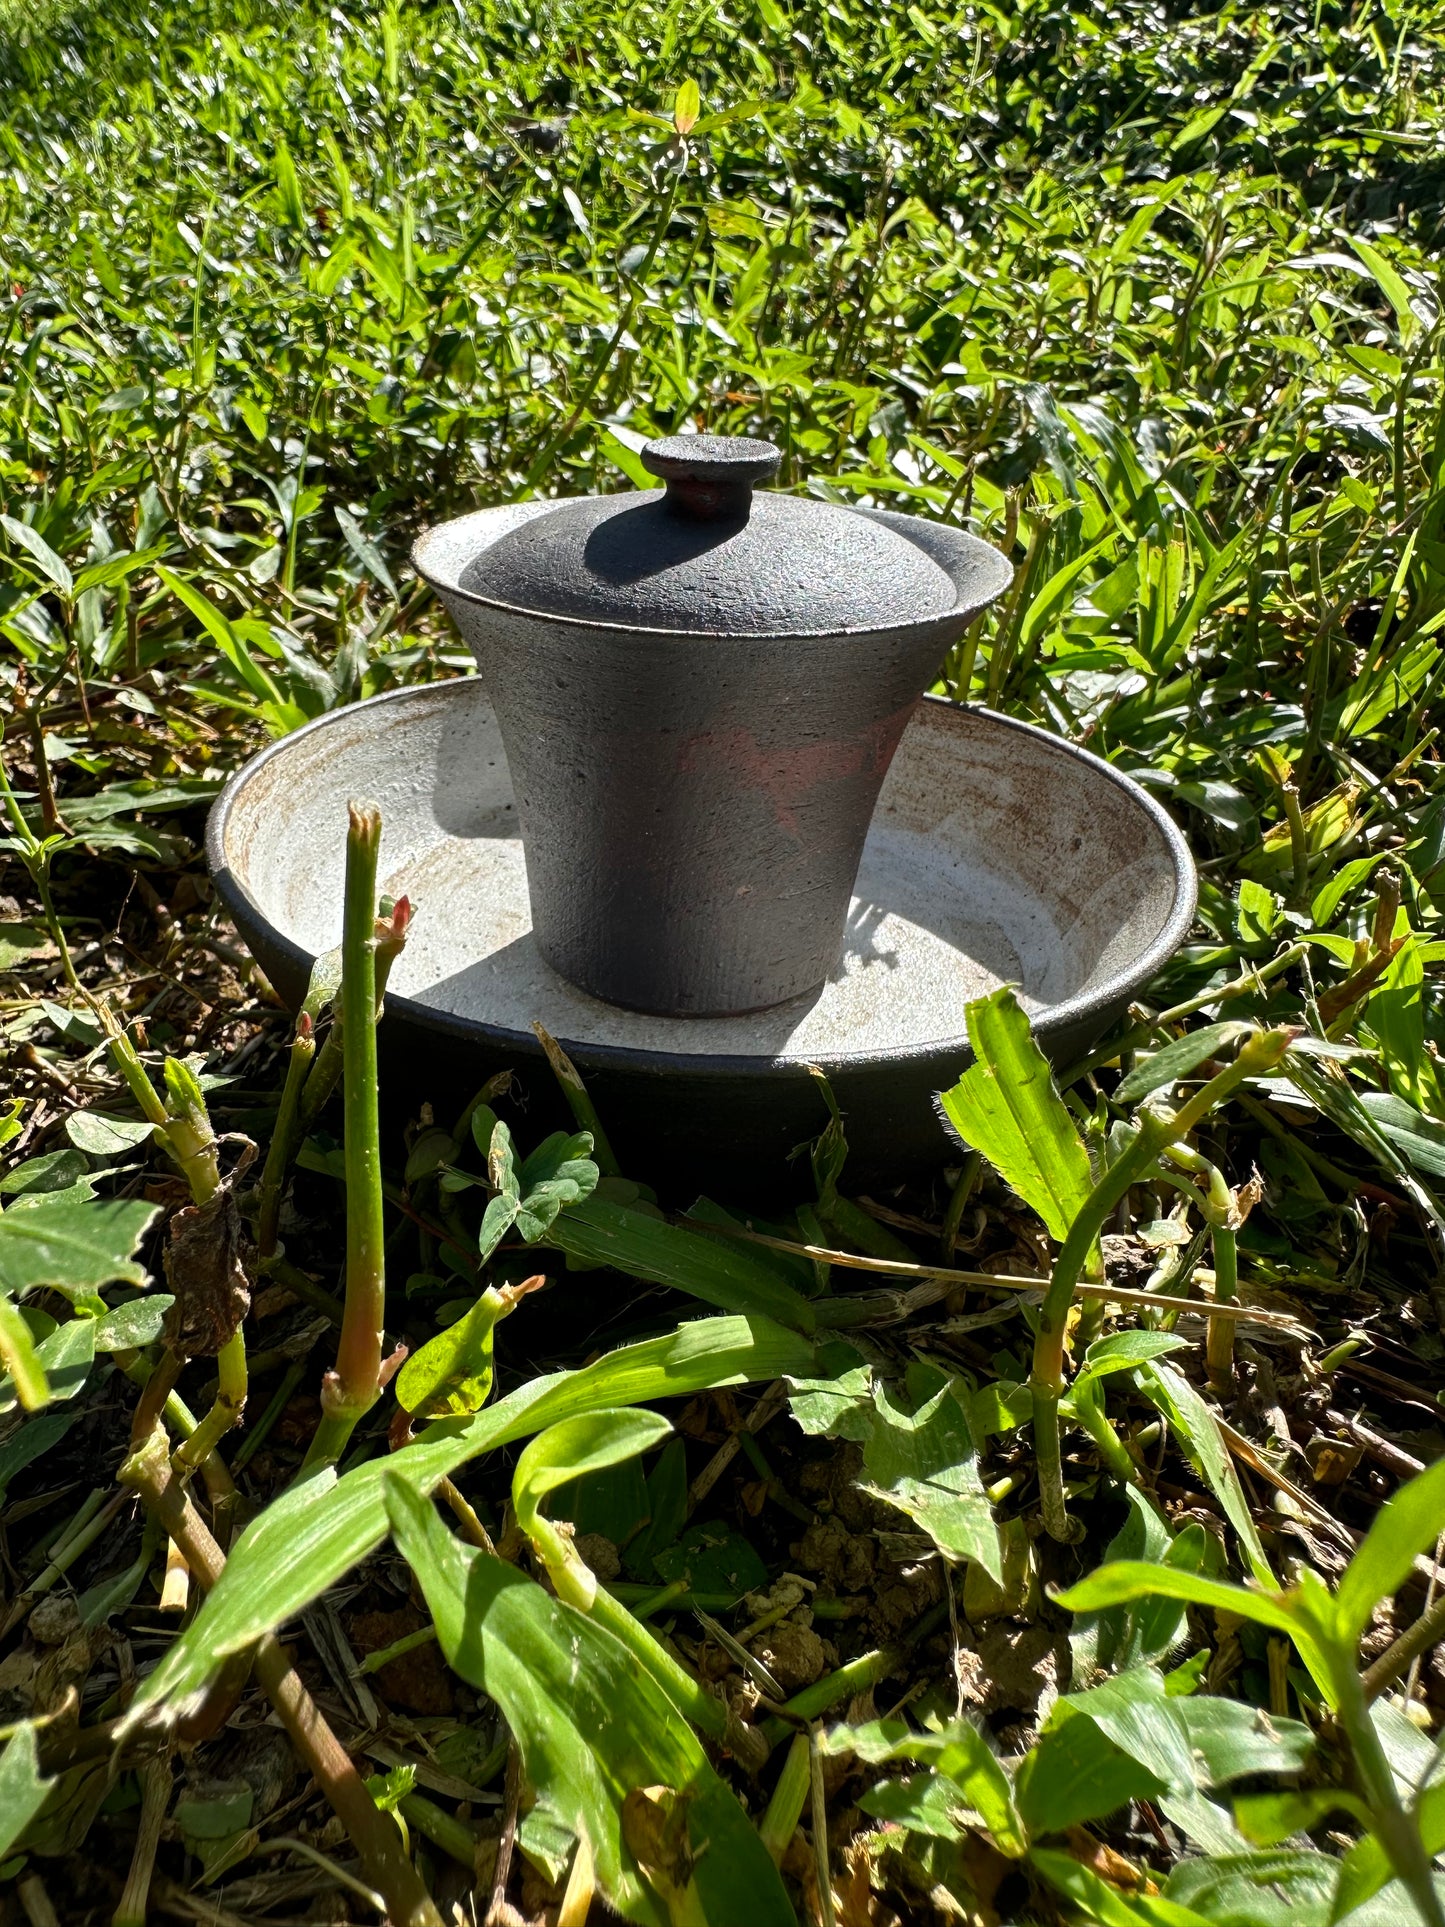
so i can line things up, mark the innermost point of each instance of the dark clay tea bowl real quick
(700, 689)
(997, 854)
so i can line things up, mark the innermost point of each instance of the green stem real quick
(284, 1139)
(226, 1409)
(785, 1809)
(1219, 1344)
(1259, 1053)
(855, 1677)
(1398, 1831)
(350, 1391)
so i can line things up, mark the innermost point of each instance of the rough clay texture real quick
(694, 806)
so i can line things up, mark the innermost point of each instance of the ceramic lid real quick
(708, 556)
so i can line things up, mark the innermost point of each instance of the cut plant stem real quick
(155, 1795)
(785, 1809)
(350, 1391)
(374, 1834)
(1259, 1053)
(1427, 1631)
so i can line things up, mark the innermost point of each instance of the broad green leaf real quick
(1122, 1351)
(1076, 1774)
(1005, 1106)
(835, 1408)
(1136, 1713)
(1366, 1867)
(1197, 1430)
(22, 1791)
(54, 1171)
(686, 107)
(959, 1753)
(1392, 285)
(570, 1449)
(922, 1802)
(925, 1463)
(1411, 1522)
(1421, 1138)
(72, 1242)
(1274, 1889)
(105, 1137)
(1179, 1059)
(55, 571)
(593, 1730)
(1269, 1819)
(1121, 1636)
(1105, 1904)
(1230, 1739)
(130, 1326)
(711, 1558)
(728, 1276)
(318, 1530)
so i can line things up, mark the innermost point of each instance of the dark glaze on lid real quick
(707, 555)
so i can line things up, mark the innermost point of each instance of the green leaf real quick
(1136, 1713)
(1105, 1904)
(1076, 1774)
(1178, 1060)
(1119, 1637)
(65, 1356)
(1122, 1351)
(958, 1752)
(1126, 1579)
(840, 1407)
(1392, 285)
(1006, 1107)
(1399, 1532)
(22, 1791)
(592, 1729)
(55, 1171)
(30, 1442)
(925, 1463)
(72, 1242)
(1419, 1137)
(728, 1276)
(54, 570)
(130, 1326)
(322, 1527)
(711, 1558)
(1230, 1740)
(570, 1449)
(366, 552)
(1275, 1889)
(1197, 1430)
(452, 1373)
(686, 107)
(1269, 1819)
(105, 1137)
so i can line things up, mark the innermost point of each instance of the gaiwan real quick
(700, 689)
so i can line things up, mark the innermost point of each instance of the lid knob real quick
(710, 477)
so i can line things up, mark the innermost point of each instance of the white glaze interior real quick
(996, 856)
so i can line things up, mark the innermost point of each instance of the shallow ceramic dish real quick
(998, 854)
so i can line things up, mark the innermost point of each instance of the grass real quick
(1150, 296)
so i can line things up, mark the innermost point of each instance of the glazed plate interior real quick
(998, 854)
